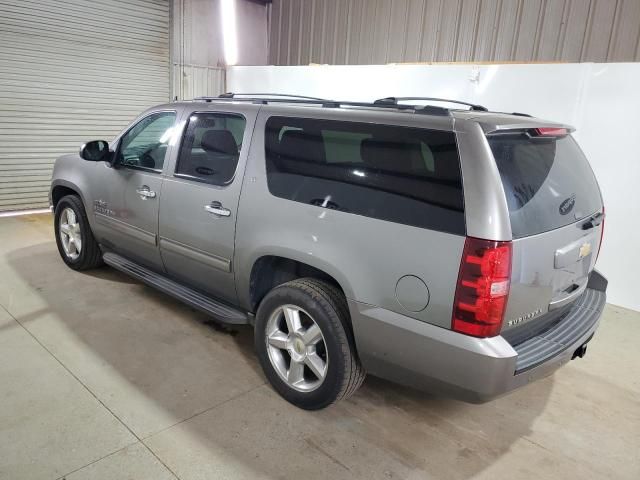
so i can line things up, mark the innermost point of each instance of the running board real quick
(195, 299)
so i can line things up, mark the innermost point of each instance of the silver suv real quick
(448, 249)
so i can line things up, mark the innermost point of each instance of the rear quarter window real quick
(398, 174)
(547, 181)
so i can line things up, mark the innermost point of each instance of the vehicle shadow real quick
(110, 274)
(167, 365)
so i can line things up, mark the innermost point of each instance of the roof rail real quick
(272, 95)
(264, 100)
(385, 103)
(395, 100)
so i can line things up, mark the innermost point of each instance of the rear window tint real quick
(547, 181)
(399, 174)
(210, 147)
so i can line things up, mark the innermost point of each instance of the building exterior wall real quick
(198, 46)
(396, 31)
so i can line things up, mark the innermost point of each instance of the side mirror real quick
(96, 151)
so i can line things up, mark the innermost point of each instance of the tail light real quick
(550, 132)
(604, 217)
(483, 287)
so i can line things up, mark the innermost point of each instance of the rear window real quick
(547, 180)
(211, 147)
(399, 174)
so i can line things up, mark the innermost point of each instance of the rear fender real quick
(244, 274)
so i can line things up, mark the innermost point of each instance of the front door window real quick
(145, 144)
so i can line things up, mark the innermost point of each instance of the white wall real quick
(601, 100)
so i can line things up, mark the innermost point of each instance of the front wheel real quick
(305, 346)
(74, 237)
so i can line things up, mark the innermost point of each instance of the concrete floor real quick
(104, 378)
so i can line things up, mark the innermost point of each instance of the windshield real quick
(547, 181)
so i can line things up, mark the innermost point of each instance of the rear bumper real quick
(580, 322)
(475, 370)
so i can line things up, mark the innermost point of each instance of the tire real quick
(89, 255)
(318, 303)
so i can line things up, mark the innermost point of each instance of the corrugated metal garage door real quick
(72, 71)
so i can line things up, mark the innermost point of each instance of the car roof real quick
(488, 120)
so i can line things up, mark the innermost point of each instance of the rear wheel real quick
(305, 345)
(76, 244)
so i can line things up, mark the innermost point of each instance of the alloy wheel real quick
(70, 235)
(296, 348)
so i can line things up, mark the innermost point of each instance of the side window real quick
(211, 147)
(343, 146)
(145, 144)
(399, 174)
(427, 155)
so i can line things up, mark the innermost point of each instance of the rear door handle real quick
(145, 192)
(217, 209)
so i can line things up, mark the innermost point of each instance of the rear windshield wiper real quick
(593, 221)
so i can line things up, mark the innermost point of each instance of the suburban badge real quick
(524, 318)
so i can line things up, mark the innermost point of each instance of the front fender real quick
(68, 173)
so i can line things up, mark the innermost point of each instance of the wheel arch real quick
(61, 188)
(270, 269)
